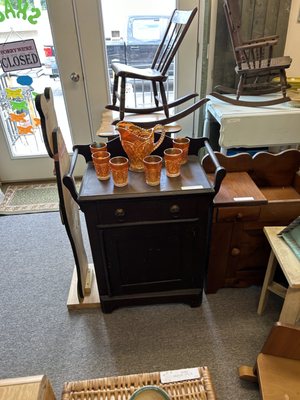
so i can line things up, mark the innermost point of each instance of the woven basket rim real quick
(126, 385)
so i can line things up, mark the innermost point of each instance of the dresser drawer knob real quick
(235, 251)
(120, 212)
(239, 216)
(174, 209)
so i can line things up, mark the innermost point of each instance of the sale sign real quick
(19, 55)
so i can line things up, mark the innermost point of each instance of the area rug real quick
(33, 198)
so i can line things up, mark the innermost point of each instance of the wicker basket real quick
(122, 387)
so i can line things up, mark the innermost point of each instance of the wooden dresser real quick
(258, 191)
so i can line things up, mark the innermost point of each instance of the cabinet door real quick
(248, 256)
(154, 257)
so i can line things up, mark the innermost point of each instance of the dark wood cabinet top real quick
(192, 180)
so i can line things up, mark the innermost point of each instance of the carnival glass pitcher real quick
(138, 142)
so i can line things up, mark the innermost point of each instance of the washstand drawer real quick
(145, 210)
(283, 212)
(229, 214)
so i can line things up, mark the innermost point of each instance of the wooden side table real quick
(290, 265)
(27, 388)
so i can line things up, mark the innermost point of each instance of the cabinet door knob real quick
(235, 251)
(120, 212)
(174, 209)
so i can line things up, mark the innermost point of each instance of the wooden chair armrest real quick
(220, 171)
(253, 46)
(274, 38)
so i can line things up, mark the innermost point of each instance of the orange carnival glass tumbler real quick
(98, 146)
(182, 143)
(101, 164)
(119, 169)
(173, 159)
(152, 167)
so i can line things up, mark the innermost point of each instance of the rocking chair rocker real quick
(255, 65)
(178, 26)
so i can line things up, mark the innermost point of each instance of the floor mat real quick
(30, 198)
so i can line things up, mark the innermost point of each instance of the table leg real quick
(267, 281)
(207, 121)
(291, 307)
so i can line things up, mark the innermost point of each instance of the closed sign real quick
(19, 55)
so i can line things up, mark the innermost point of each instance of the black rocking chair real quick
(178, 26)
(255, 65)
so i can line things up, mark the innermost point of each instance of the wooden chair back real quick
(69, 209)
(277, 367)
(233, 19)
(251, 52)
(278, 364)
(177, 28)
(283, 341)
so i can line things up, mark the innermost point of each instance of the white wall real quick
(292, 46)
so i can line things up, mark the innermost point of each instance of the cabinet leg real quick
(196, 302)
(107, 308)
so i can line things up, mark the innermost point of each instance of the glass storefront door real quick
(76, 48)
(20, 26)
(29, 64)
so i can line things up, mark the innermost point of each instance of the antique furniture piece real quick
(258, 191)
(188, 384)
(157, 74)
(149, 244)
(282, 255)
(253, 127)
(255, 64)
(27, 388)
(69, 211)
(277, 368)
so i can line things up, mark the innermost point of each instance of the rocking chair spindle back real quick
(157, 74)
(255, 65)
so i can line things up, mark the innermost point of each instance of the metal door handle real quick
(74, 77)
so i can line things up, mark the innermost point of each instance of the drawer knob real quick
(120, 212)
(235, 251)
(239, 215)
(174, 209)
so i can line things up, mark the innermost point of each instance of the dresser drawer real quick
(229, 214)
(123, 211)
(281, 212)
